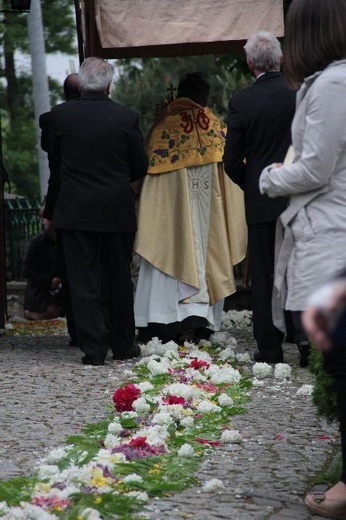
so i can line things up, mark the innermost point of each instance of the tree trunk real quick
(40, 84)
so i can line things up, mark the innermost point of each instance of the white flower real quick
(227, 353)
(115, 427)
(158, 367)
(182, 390)
(140, 405)
(243, 357)
(134, 477)
(163, 418)
(129, 415)
(208, 406)
(223, 375)
(213, 485)
(231, 437)
(155, 346)
(145, 386)
(90, 514)
(3, 507)
(225, 339)
(204, 343)
(111, 441)
(138, 495)
(156, 435)
(257, 382)
(186, 450)
(177, 411)
(46, 471)
(225, 400)
(55, 455)
(237, 319)
(262, 370)
(305, 390)
(28, 512)
(196, 353)
(109, 459)
(282, 371)
(187, 422)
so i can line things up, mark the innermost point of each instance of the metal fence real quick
(22, 221)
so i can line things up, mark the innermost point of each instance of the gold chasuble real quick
(186, 136)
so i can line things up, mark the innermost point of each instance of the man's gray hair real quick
(95, 74)
(263, 49)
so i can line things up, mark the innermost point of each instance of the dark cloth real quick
(174, 331)
(261, 245)
(95, 151)
(99, 146)
(44, 124)
(99, 264)
(259, 130)
(65, 291)
(335, 366)
(40, 266)
(258, 134)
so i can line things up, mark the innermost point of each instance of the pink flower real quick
(124, 397)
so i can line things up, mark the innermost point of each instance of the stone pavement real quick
(46, 394)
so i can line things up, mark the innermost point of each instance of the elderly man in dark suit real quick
(95, 152)
(259, 133)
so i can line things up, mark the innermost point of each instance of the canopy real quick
(147, 28)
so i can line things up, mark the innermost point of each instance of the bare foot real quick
(336, 492)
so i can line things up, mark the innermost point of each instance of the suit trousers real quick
(261, 244)
(98, 267)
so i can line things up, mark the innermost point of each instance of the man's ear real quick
(108, 89)
(250, 65)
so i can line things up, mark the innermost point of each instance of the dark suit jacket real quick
(44, 122)
(95, 151)
(259, 132)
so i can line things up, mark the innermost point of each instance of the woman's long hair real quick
(315, 36)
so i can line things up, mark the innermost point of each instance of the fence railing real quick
(22, 221)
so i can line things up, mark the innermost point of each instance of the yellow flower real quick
(98, 480)
(44, 487)
(98, 500)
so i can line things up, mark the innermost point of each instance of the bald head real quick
(71, 87)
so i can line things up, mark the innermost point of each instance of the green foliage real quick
(16, 490)
(18, 118)
(143, 83)
(324, 396)
(59, 26)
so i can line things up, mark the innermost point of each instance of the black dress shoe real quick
(87, 360)
(268, 357)
(133, 352)
(304, 353)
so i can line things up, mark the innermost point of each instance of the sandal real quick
(318, 503)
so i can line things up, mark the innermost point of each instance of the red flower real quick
(279, 437)
(207, 441)
(198, 363)
(138, 442)
(173, 399)
(123, 398)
